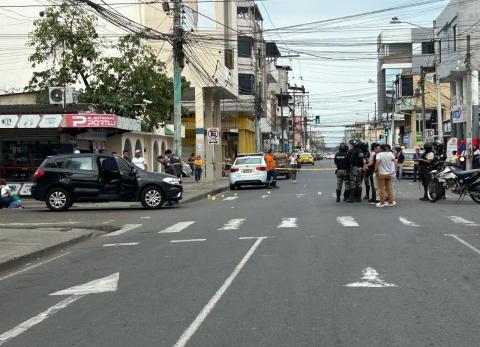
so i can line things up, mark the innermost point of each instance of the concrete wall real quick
(18, 99)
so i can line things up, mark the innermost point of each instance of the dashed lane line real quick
(189, 240)
(120, 244)
(347, 221)
(288, 223)
(233, 224)
(407, 222)
(176, 228)
(460, 220)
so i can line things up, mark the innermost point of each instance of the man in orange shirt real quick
(271, 174)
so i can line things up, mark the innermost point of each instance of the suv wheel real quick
(151, 198)
(58, 199)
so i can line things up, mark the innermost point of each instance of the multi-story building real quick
(400, 52)
(454, 27)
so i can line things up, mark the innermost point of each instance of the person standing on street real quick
(198, 164)
(356, 161)
(416, 158)
(400, 160)
(294, 166)
(341, 161)
(370, 169)
(385, 169)
(425, 166)
(366, 173)
(175, 161)
(139, 161)
(126, 156)
(271, 168)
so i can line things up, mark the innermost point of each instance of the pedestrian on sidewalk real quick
(139, 161)
(294, 166)
(385, 169)
(271, 170)
(191, 162)
(198, 164)
(5, 194)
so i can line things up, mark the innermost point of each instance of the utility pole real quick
(282, 122)
(178, 64)
(294, 121)
(422, 90)
(472, 105)
(439, 92)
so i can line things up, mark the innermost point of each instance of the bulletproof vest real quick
(422, 164)
(341, 160)
(356, 158)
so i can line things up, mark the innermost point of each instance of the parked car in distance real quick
(248, 170)
(408, 163)
(62, 180)
(282, 164)
(318, 156)
(306, 158)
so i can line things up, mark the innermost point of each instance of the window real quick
(439, 51)
(80, 163)
(245, 84)
(428, 47)
(245, 44)
(55, 163)
(454, 38)
(247, 161)
(123, 165)
(229, 60)
(242, 12)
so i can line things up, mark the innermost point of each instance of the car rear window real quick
(248, 161)
(80, 163)
(408, 156)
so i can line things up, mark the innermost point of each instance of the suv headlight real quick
(171, 180)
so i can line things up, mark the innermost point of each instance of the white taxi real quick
(248, 170)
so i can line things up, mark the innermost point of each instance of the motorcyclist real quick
(356, 161)
(341, 161)
(425, 167)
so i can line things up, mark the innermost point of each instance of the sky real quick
(337, 62)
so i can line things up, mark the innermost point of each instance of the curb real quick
(14, 262)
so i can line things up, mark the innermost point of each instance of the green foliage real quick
(68, 48)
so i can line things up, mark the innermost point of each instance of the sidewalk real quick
(191, 192)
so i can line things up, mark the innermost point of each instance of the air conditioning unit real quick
(60, 95)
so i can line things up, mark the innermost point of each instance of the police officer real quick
(370, 171)
(425, 167)
(366, 173)
(356, 160)
(341, 161)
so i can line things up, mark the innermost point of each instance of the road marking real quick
(101, 285)
(145, 217)
(463, 242)
(33, 266)
(191, 240)
(233, 224)
(300, 195)
(120, 244)
(288, 223)
(176, 228)
(37, 224)
(407, 222)
(195, 325)
(347, 221)
(372, 279)
(265, 196)
(123, 230)
(230, 198)
(460, 220)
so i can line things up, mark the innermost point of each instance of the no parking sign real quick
(213, 135)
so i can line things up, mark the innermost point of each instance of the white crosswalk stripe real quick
(407, 222)
(176, 228)
(347, 221)
(288, 223)
(460, 220)
(233, 224)
(230, 198)
(123, 230)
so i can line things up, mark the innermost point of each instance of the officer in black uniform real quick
(341, 161)
(356, 160)
(366, 173)
(425, 167)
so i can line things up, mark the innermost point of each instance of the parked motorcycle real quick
(448, 177)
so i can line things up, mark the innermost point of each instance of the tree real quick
(67, 47)
(131, 82)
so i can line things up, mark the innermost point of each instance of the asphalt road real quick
(286, 267)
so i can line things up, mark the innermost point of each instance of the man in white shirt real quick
(385, 169)
(139, 161)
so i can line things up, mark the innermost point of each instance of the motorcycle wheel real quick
(434, 191)
(475, 198)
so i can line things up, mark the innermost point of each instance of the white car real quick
(248, 170)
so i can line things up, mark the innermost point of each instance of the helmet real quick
(398, 148)
(352, 142)
(428, 146)
(343, 147)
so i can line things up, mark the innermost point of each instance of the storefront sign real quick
(26, 189)
(129, 124)
(452, 145)
(458, 114)
(50, 121)
(28, 121)
(90, 121)
(8, 121)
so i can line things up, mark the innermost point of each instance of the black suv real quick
(62, 180)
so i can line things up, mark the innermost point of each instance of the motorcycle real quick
(447, 176)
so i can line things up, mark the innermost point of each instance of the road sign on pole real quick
(213, 135)
(429, 135)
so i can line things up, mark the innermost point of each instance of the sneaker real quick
(380, 205)
(392, 204)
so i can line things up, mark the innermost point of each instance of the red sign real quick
(90, 121)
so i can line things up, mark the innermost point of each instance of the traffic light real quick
(386, 133)
(317, 120)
